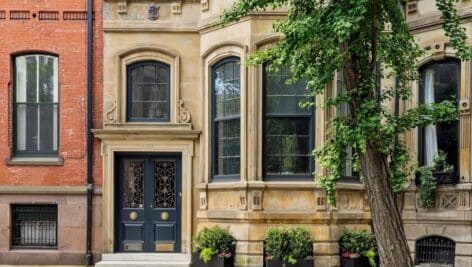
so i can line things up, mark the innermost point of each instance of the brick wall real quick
(50, 28)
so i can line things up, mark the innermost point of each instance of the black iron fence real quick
(435, 250)
(34, 226)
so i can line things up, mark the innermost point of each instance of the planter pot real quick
(216, 261)
(279, 263)
(354, 262)
(445, 177)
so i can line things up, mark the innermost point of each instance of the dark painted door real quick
(148, 203)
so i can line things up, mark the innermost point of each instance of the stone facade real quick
(56, 28)
(185, 37)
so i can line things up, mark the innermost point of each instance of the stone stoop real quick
(145, 260)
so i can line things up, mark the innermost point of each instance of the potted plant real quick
(357, 249)
(443, 171)
(213, 247)
(288, 247)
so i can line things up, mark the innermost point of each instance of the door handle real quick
(150, 206)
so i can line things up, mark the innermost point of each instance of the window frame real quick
(226, 177)
(28, 154)
(421, 94)
(129, 93)
(311, 163)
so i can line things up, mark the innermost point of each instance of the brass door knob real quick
(133, 216)
(164, 216)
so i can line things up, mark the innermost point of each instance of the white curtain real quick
(431, 142)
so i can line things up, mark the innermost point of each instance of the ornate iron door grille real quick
(34, 226)
(435, 249)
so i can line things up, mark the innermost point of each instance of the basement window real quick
(34, 226)
(435, 251)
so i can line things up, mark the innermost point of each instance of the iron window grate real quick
(436, 250)
(34, 226)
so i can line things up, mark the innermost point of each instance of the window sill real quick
(36, 161)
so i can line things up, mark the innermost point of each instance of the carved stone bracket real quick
(438, 51)
(112, 113)
(203, 200)
(365, 203)
(205, 5)
(184, 115)
(411, 7)
(177, 8)
(242, 200)
(464, 200)
(321, 201)
(256, 200)
(122, 7)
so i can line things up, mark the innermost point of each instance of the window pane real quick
(283, 98)
(46, 79)
(227, 147)
(440, 81)
(31, 79)
(46, 127)
(32, 127)
(226, 95)
(149, 91)
(287, 146)
(227, 90)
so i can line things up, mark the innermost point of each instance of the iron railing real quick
(435, 251)
(34, 226)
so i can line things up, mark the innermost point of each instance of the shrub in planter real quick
(213, 247)
(358, 249)
(288, 247)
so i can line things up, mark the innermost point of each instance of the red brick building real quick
(44, 131)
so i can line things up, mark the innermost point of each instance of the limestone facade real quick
(185, 37)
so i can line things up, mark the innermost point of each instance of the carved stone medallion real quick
(153, 11)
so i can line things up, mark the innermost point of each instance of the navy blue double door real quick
(148, 197)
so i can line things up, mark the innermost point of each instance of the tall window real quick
(226, 118)
(148, 90)
(36, 105)
(288, 138)
(343, 110)
(440, 81)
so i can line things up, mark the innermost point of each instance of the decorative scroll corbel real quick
(111, 114)
(184, 115)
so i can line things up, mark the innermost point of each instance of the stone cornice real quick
(147, 132)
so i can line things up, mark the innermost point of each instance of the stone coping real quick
(47, 190)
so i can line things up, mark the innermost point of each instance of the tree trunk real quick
(386, 218)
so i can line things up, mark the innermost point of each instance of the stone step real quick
(145, 260)
(141, 264)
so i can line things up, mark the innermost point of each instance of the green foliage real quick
(358, 242)
(320, 38)
(452, 28)
(370, 255)
(206, 254)
(427, 185)
(289, 245)
(213, 241)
